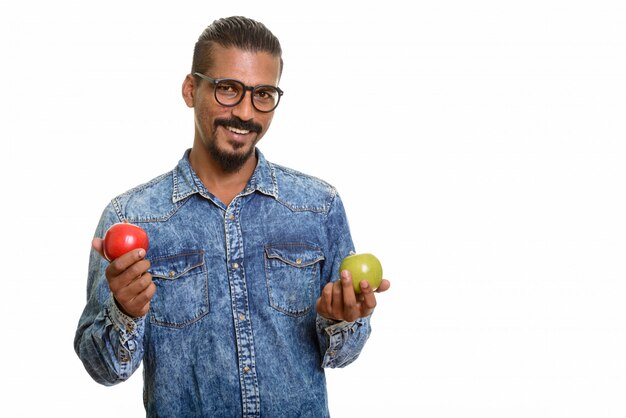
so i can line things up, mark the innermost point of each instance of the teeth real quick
(237, 131)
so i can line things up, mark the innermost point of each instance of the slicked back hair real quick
(238, 32)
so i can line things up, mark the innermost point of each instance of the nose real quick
(245, 110)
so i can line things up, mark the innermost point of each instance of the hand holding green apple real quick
(363, 266)
(344, 300)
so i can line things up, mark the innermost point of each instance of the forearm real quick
(109, 343)
(341, 342)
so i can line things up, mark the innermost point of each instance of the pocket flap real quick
(172, 267)
(297, 255)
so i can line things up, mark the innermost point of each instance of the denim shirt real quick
(232, 329)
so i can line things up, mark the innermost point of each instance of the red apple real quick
(123, 237)
(363, 267)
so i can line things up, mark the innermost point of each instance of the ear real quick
(188, 90)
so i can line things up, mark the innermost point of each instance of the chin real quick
(233, 159)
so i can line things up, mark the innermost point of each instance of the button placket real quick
(239, 303)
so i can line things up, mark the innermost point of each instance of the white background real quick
(478, 147)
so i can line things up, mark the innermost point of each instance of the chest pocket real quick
(292, 273)
(182, 294)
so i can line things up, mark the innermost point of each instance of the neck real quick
(224, 185)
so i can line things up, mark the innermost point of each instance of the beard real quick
(229, 161)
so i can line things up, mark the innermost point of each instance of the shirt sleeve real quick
(340, 342)
(108, 342)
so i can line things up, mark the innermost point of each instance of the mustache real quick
(239, 124)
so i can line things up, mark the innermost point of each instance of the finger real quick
(138, 285)
(130, 310)
(128, 276)
(337, 302)
(384, 285)
(144, 310)
(142, 300)
(136, 295)
(123, 262)
(349, 297)
(326, 300)
(368, 302)
(97, 245)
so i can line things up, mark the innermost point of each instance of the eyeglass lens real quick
(231, 92)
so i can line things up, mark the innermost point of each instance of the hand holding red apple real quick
(123, 237)
(339, 301)
(128, 278)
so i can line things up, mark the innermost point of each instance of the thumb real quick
(97, 245)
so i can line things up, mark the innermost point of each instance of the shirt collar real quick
(186, 182)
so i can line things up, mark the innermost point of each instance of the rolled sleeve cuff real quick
(127, 326)
(345, 340)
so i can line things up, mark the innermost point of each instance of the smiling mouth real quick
(237, 131)
(238, 126)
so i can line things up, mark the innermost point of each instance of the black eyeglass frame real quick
(251, 89)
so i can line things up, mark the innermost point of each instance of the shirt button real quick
(246, 369)
(242, 317)
(172, 273)
(298, 261)
(235, 266)
(231, 217)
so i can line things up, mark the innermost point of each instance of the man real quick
(235, 308)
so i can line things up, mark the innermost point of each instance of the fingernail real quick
(365, 284)
(141, 252)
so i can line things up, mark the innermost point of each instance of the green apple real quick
(363, 267)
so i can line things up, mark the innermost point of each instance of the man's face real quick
(229, 134)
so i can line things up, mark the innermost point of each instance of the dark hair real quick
(235, 31)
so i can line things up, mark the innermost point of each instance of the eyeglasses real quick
(229, 92)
